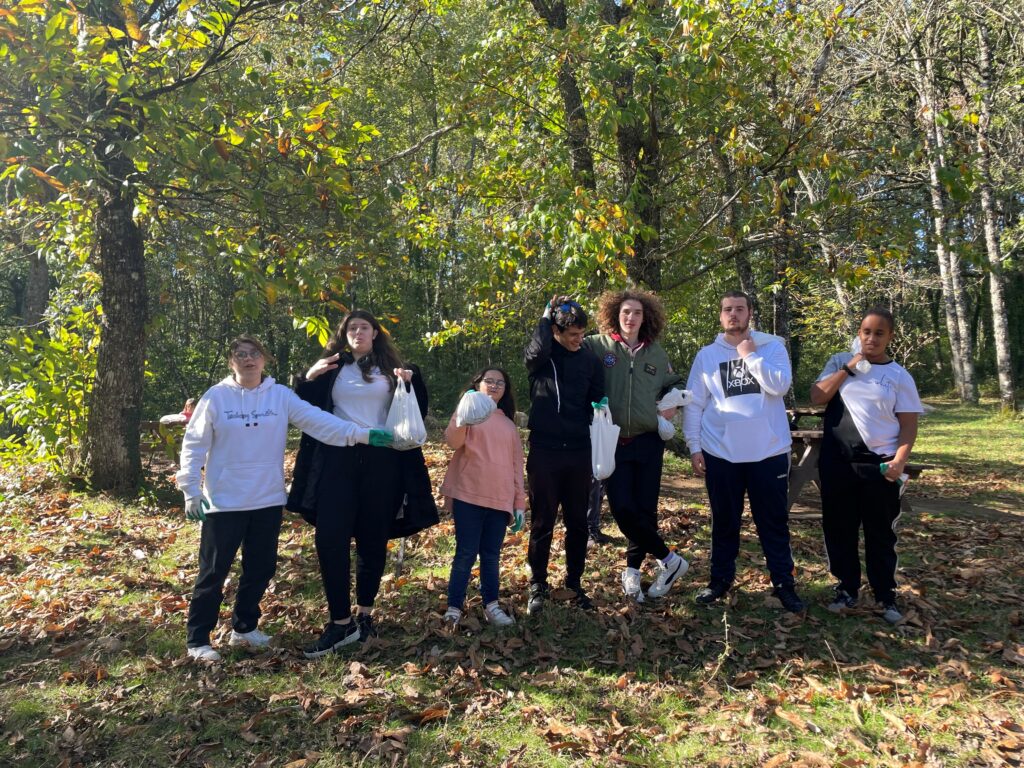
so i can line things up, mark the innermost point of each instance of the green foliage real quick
(46, 381)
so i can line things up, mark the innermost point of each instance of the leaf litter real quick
(93, 600)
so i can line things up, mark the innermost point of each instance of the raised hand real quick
(323, 365)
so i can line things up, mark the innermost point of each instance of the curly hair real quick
(610, 303)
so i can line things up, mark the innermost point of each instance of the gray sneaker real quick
(891, 613)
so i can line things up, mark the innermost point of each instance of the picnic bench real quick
(807, 450)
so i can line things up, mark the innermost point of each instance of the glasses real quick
(496, 383)
(241, 354)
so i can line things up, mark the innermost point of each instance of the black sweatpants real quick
(766, 483)
(855, 495)
(633, 491)
(256, 532)
(358, 496)
(558, 478)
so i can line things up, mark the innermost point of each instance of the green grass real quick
(96, 644)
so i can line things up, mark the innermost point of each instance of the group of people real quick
(350, 482)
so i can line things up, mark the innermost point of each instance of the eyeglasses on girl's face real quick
(243, 354)
(496, 383)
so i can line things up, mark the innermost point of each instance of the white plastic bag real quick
(863, 366)
(474, 408)
(404, 420)
(666, 429)
(675, 398)
(604, 438)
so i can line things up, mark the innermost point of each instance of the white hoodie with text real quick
(737, 412)
(240, 435)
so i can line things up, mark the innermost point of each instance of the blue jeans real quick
(478, 531)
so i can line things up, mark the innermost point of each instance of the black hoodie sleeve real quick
(538, 351)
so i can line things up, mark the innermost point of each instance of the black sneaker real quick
(600, 538)
(843, 601)
(334, 637)
(790, 600)
(581, 600)
(365, 623)
(538, 594)
(712, 593)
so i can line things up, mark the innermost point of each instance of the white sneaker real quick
(496, 616)
(631, 584)
(204, 653)
(451, 617)
(253, 639)
(667, 575)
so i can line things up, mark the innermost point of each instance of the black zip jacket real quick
(563, 385)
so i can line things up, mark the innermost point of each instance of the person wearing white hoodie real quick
(739, 440)
(238, 431)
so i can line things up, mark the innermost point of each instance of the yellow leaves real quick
(284, 143)
(313, 127)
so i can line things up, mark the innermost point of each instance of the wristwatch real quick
(849, 370)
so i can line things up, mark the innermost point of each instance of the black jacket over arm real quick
(563, 384)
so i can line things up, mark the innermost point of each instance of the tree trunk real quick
(744, 271)
(115, 407)
(953, 294)
(576, 125)
(37, 290)
(996, 278)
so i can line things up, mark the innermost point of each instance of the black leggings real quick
(852, 496)
(357, 497)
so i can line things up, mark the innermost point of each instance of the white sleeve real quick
(194, 448)
(771, 369)
(833, 365)
(693, 412)
(324, 426)
(907, 399)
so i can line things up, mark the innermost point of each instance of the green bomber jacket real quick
(634, 382)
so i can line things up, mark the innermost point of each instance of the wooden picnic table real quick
(806, 452)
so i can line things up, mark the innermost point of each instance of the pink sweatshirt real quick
(487, 468)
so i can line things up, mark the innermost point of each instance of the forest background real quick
(176, 172)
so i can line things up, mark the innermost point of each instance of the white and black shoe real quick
(667, 575)
(843, 601)
(334, 637)
(496, 616)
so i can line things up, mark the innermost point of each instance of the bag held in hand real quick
(604, 437)
(474, 408)
(404, 420)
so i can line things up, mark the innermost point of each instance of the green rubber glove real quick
(603, 403)
(518, 519)
(195, 509)
(381, 438)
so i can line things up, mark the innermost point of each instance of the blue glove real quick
(195, 509)
(518, 519)
(601, 404)
(381, 438)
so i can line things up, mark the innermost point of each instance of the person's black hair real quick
(883, 313)
(568, 314)
(507, 402)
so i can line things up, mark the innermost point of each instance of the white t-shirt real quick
(359, 401)
(874, 398)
